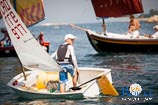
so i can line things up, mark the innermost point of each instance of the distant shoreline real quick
(152, 19)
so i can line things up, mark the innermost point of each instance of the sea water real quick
(126, 68)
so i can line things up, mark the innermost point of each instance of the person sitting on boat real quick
(41, 38)
(155, 35)
(6, 40)
(42, 42)
(65, 57)
(132, 33)
(134, 25)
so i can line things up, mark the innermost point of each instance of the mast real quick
(104, 26)
(23, 71)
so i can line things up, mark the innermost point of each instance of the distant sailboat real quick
(42, 68)
(114, 42)
(30, 12)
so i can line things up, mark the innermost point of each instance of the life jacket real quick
(61, 53)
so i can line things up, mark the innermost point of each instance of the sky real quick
(78, 11)
(150, 4)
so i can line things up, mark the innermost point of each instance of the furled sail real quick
(30, 11)
(29, 51)
(116, 8)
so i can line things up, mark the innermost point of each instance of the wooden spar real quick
(23, 70)
(104, 26)
(78, 27)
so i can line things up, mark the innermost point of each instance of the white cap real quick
(69, 36)
(155, 27)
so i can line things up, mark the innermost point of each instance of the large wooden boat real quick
(112, 42)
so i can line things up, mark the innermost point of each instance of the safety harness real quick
(61, 53)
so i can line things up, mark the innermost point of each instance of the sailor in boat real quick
(41, 38)
(155, 35)
(65, 57)
(42, 42)
(134, 26)
(132, 33)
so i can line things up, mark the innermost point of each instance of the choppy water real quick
(127, 68)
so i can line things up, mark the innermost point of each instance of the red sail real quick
(116, 8)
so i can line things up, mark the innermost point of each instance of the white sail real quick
(29, 51)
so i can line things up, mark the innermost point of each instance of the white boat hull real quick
(90, 89)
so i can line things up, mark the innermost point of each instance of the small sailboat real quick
(113, 42)
(41, 78)
(35, 87)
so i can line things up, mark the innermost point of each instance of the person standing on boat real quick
(65, 57)
(134, 26)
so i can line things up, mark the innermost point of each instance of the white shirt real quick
(155, 35)
(134, 34)
(70, 51)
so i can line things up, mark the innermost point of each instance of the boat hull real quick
(91, 89)
(7, 52)
(105, 44)
(32, 95)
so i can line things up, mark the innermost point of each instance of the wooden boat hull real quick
(89, 90)
(7, 52)
(105, 44)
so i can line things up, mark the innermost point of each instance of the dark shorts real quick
(63, 74)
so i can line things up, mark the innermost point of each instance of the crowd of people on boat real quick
(5, 41)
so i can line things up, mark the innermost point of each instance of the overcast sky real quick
(150, 4)
(78, 11)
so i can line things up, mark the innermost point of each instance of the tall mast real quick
(104, 26)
